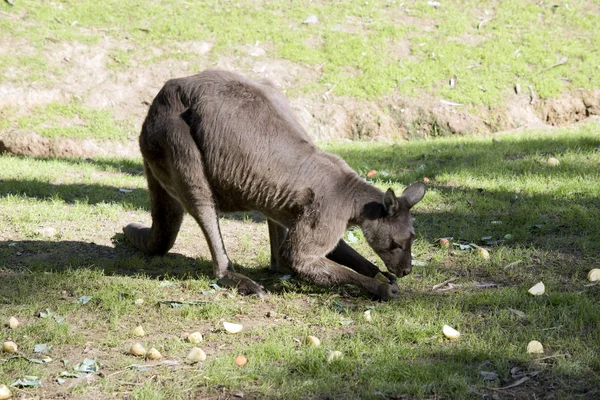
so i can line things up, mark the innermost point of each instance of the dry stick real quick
(533, 96)
(514, 384)
(554, 356)
(512, 264)
(439, 285)
(562, 61)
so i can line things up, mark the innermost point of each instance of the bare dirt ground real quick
(87, 75)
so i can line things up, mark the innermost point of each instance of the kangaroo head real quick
(389, 231)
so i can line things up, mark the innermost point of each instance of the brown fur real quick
(219, 142)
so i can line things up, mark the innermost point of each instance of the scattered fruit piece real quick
(450, 332)
(367, 315)
(382, 278)
(13, 323)
(483, 253)
(313, 340)
(538, 289)
(232, 328)
(195, 337)
(535, 347)
(334, 355)
(139, 302)
(153, 354)
(444, 242)
(425, 179)
(139, 331)
(371, 173)
(138, 350)
(241, 360)
(5, 392)
(196, 354)
(10, 347)
(553, 162)
(594, 275)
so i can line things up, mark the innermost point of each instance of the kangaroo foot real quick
(244, 285)
(138, 235)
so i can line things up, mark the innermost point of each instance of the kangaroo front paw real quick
(243, 284)
(388, 291)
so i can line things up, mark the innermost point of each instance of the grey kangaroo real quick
(219, 142)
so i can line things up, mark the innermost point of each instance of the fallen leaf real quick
(27, 381)
(517, 312)
(488, 376)
(311, 20)
(84, 299)
(41, 348)
(87, 365)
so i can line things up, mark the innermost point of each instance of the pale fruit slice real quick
(5, 392)
(450, 332)
(10, 347)
(382, 278)
(594, 275)
(153, 354)
(138, 350)
(313, 340)
(553, 162)
(538, 289)
(139, 331)
(232, 328)
(367, 315)
(195, 337)
(13, 323)
(483, 253)
(535, 347)
(196, 354)
(334, 355)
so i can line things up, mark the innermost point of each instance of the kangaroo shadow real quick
(121, 260)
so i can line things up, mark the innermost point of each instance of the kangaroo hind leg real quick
(167, 215)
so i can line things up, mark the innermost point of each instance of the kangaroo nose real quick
(406, 271)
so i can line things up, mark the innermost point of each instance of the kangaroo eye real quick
(395, 245)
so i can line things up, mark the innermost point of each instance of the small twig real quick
(533, 96)
(592, 284)
(562, 61)
(512, 264)
(450, 103)
(514, 384)
(483, 22)
(554, 327)
(554, 356)
(440, 285)
(404, 80)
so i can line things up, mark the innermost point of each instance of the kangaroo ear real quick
(414, 194)
(390, 202)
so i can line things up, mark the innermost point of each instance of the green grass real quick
(551, 213)
(354, 41)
